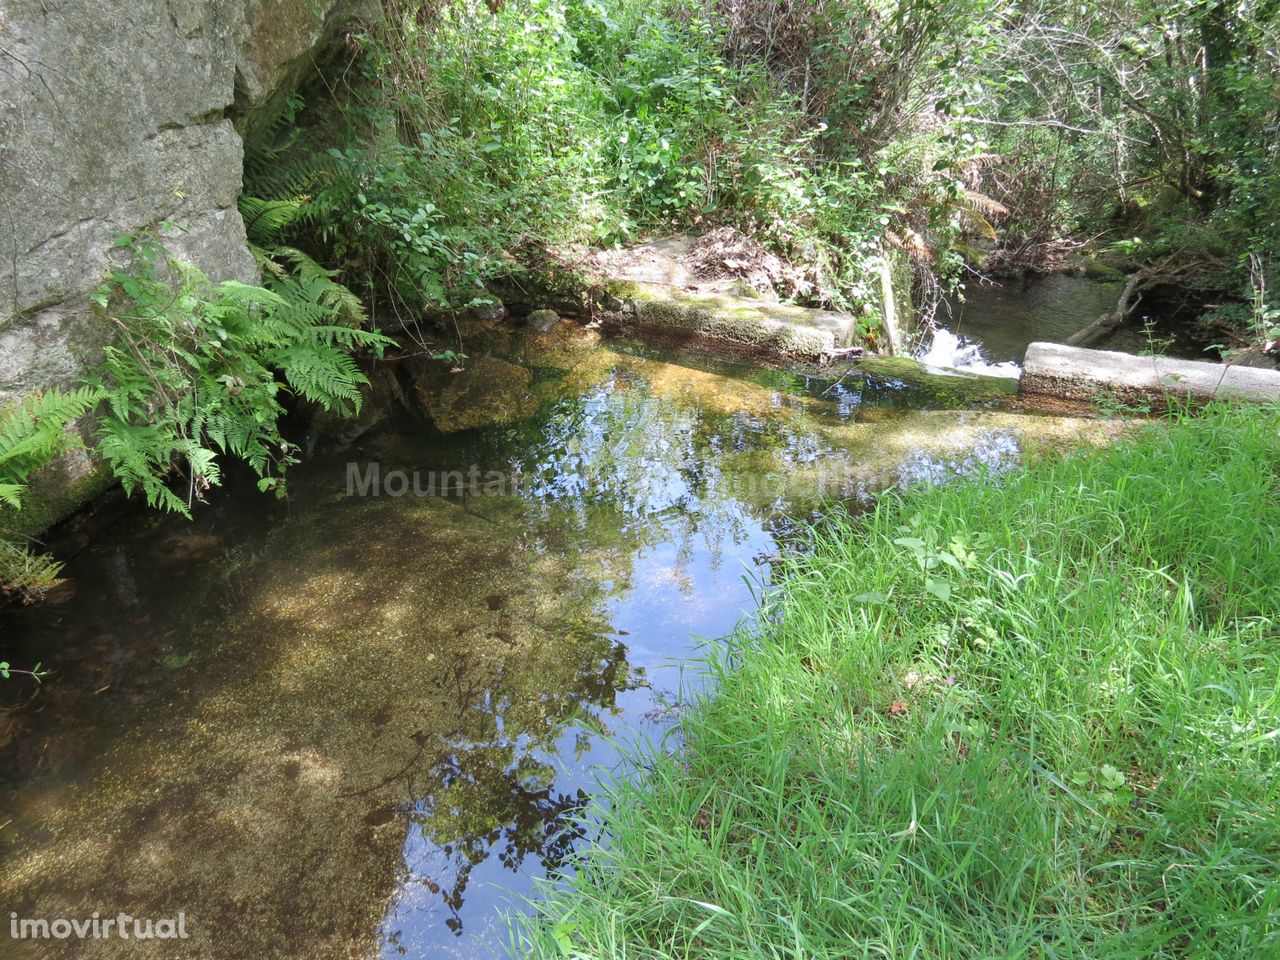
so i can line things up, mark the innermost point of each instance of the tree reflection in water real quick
(491, 793)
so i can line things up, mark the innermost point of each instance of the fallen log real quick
(1128, 302)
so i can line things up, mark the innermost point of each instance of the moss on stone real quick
(772, 329)
(489, 391)
(954, 387)
(1097, 270)
(54, 493)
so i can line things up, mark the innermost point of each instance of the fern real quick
(33, 431)
(265, 221)
(201, 366)
(197, 373)
(26, 573)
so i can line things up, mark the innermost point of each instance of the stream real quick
(988, 329)
(363, 722)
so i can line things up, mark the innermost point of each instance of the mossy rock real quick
(1105, 272)
(54, 493)
(489, 391)
(950, 387)
(738, 325)
(562, 347)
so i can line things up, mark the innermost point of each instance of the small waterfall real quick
(943, 348)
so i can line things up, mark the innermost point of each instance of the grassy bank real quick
(1033, 719)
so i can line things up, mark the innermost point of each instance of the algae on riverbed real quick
(374, 646)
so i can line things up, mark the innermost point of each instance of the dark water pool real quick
(995, 321)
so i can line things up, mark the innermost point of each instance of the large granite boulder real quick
(117, 114)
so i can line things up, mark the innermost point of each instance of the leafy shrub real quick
(196, 372)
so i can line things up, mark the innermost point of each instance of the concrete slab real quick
(737, 325)
(1075, 373)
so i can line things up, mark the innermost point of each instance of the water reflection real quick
(343, 725)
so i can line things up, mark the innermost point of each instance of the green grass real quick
(1035, 718)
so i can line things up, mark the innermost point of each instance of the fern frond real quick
(11, 493)
(34, 430)
(981, 203)
(204, 363)
(265, 221)
(26, 573)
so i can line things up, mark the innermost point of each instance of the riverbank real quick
(1021, 720)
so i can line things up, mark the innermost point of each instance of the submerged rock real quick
(543, 320)
(489, 391)
(1098, 270)
(951, 387)
(562, 346)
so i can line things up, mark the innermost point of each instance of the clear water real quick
(987, 330)
(345, 726)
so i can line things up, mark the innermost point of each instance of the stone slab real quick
(737, 325)
(1076, 373)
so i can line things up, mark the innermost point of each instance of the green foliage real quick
(833, 131)
(1018, 719)
(26, 573)
(35, 673)
(33, 430)
(293, 274)
(475, 133)
(193, 374)
(1177, 138)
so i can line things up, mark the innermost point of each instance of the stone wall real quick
(116, 114)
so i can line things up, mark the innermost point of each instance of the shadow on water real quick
(347, 725)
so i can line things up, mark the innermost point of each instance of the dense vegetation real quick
(955, 133)
(1027, 719)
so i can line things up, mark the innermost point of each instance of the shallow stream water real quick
(988, 328)
(348, 725)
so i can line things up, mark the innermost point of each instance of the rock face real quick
(114, 115)
(118, 114)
